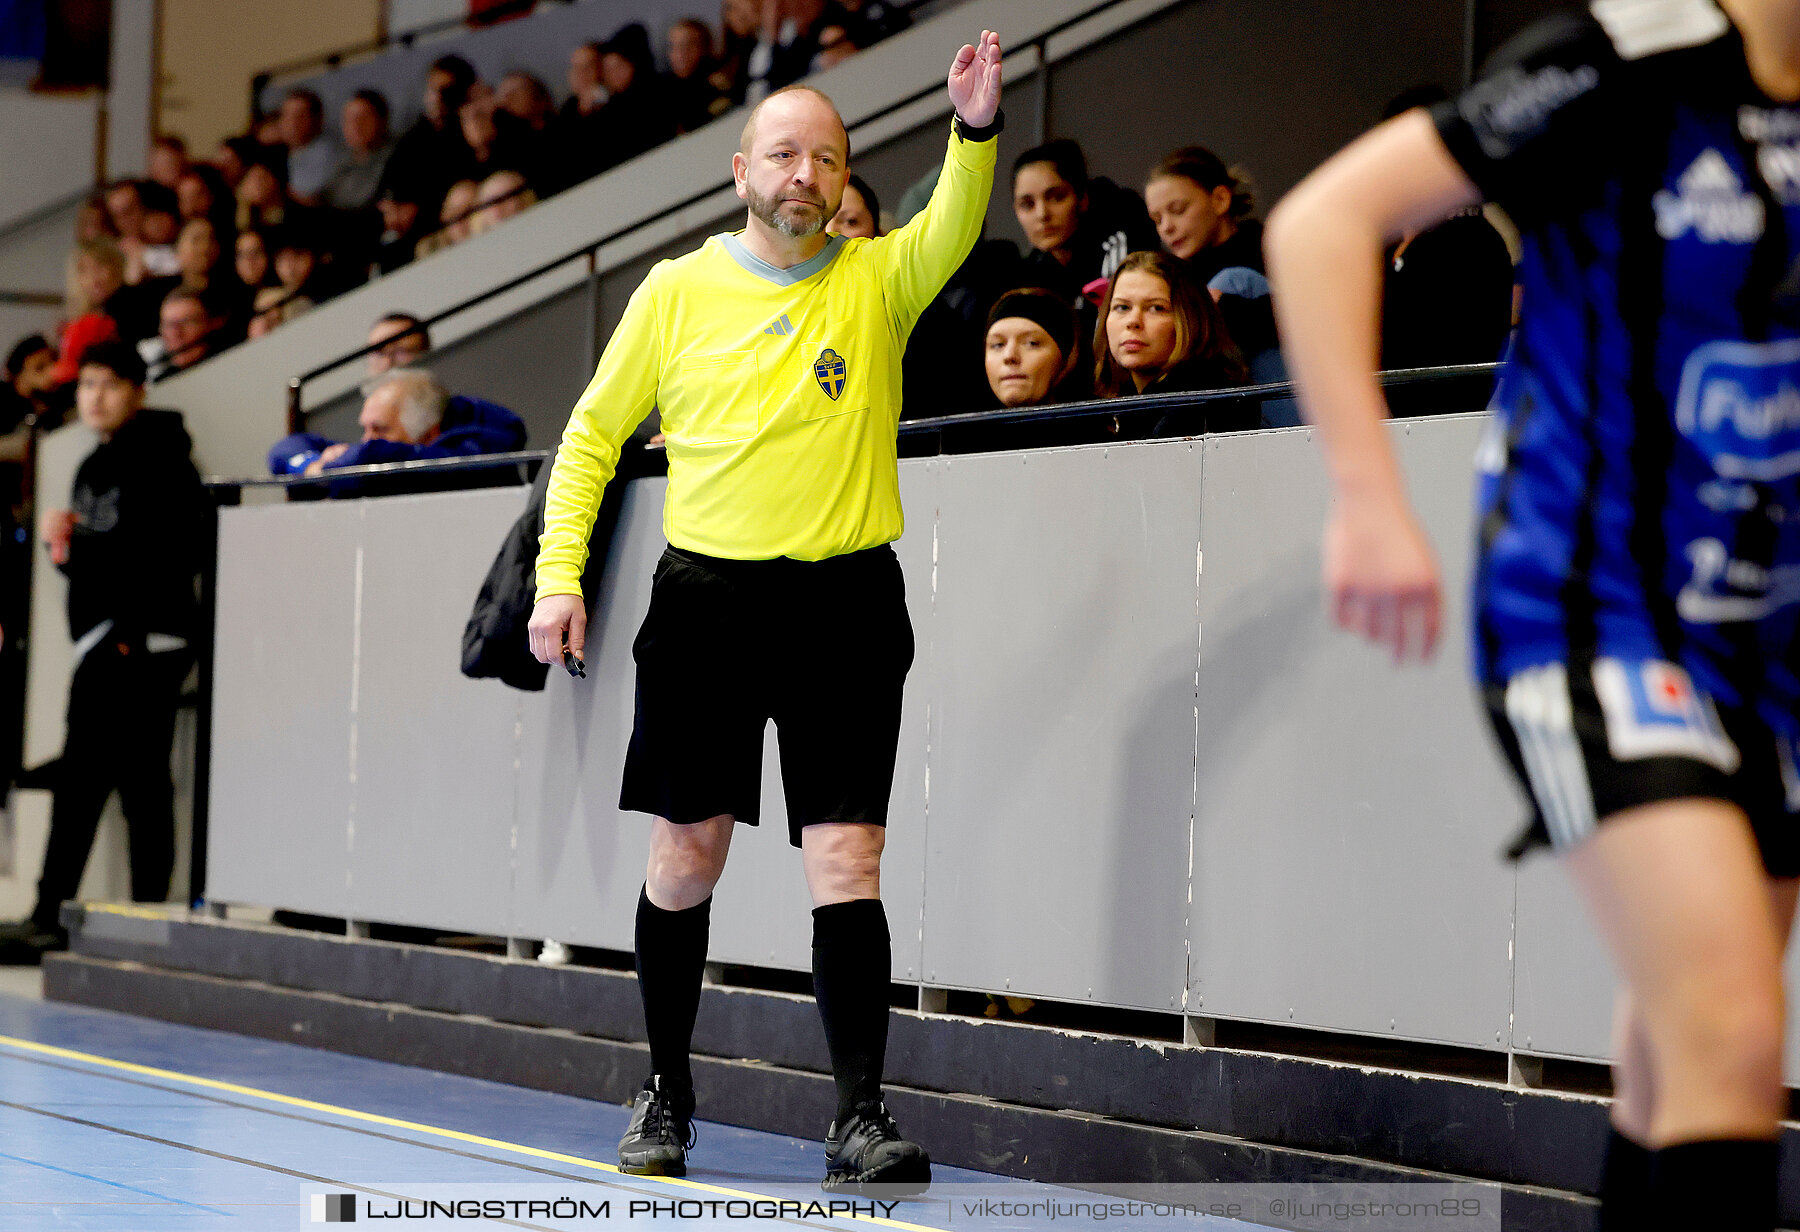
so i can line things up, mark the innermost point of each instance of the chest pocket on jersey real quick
(832, 385)
(720, 396)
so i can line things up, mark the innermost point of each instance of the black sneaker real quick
(26, 946)
(662, 1130)
(868, 1150)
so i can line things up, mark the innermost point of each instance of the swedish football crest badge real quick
(828, 371)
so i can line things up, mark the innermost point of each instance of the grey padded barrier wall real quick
(1136, 767)
(1349, 817)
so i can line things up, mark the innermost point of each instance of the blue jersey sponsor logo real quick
(1739, 403)
(829, 372)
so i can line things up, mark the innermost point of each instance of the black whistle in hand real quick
(571, 663)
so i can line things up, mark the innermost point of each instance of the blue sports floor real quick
(111, 1122)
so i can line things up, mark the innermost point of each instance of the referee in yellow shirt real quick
(773, 355)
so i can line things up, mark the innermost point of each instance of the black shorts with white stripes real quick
(1592, 740)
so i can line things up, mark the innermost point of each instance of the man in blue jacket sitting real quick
(406, 415)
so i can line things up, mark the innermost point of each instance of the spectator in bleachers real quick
(500, 197)
(125, 206)
(432, 154)
(869, 21)
(403, 225)
(1032, 349)
(1079, 227)
(453, 218)
(1447, 291)
(251, 259)
(233, 158)
(92, 220)
(168, 160)
(1161, 332)
(400, 339)
(95, 279)
(586, 94)
(261, 196)
(859, 214)
(636, 117)
(490, 149)
(688, 86)
(836, 44)
(130, 545)
(201, 192)
(526, 115)
(406, 415)
(739, 21)
(26, 383)
(787, 40)
(312, 154)
(161, 224)
(364, 155)
(297, 266)
(190, 328)
(273, 306)
(1201, 209)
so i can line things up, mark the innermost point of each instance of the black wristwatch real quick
(968, 132)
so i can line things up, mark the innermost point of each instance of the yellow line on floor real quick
(291, 1101)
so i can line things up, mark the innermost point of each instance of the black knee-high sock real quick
(1624, 1185)
(852, 955)
(1723, 1185)
(671, 960)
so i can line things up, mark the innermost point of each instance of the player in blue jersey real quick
(1638, 578)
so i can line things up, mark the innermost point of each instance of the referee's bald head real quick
(790, 99)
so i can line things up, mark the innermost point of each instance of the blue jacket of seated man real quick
(470, 426)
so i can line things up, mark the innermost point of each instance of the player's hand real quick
(56, 528)
(975, 81)
(1381, 579)
(554, 618)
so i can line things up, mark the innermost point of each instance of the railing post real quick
(296, 414)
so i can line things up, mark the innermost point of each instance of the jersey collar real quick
(782, 277)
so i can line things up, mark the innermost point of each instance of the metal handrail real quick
(908, 427)
(296, 384)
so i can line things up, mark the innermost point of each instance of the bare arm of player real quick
(1324, 245)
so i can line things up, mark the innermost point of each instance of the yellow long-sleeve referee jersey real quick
(779, 389)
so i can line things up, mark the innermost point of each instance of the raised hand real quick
(975, 81)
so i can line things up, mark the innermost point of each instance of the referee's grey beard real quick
(768, 211)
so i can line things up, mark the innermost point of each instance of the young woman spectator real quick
(1079, 228)
(252, 260)
(1032, 349)
(1159, 333)
(859, 214)
(688, 85)
(1201, 209)
(95, 278)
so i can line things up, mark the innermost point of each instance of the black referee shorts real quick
(820, 647)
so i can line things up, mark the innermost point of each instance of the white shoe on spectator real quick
(554, 953)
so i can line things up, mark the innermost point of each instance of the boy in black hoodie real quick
(130, 546)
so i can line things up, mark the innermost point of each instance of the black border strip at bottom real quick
(961, 1130)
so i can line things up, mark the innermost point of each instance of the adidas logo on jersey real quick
(1712, 202)
(780, 327)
